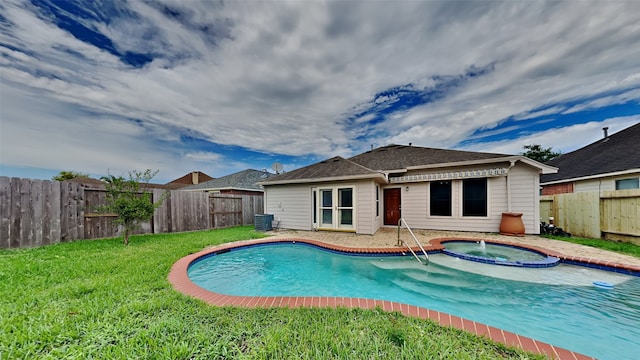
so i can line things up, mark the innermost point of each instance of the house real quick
(192, 178)
(240, 183)
(429, 188)
(611, 163)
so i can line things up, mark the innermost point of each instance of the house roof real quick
(242, 180)
(614, 153)
(334, 168)
(396, 157)
(188, 179)
(388, 159)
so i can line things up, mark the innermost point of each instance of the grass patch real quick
(99, 299)
(611, 245)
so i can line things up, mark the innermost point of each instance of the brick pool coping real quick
(179, 278)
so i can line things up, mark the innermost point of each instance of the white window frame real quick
(336, 210)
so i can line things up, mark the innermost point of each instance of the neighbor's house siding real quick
(562, 188)
(595, 185)
(604, 183)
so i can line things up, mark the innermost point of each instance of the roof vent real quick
(606, 131)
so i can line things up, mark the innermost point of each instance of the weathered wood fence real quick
(611, 215)
(42, 212)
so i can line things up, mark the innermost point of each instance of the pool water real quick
(603, 323)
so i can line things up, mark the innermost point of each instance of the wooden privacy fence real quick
(42, 212)
(611, 215)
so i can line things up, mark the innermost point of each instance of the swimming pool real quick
(580, 317)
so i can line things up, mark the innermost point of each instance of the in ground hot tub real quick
(498, 254)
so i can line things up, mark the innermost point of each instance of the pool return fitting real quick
(402, 242)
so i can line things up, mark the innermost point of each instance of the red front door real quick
(391, 206)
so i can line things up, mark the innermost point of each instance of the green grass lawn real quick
(617, 246)
(100, 299)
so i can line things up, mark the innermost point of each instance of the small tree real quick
(68, 175)
(537, 153)
(129, 199)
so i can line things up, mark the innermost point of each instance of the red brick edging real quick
(179, 278)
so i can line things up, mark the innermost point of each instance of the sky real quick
(106, 87)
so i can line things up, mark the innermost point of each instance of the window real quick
(625, 184)
(345, 206)
(440, 198)
(474, 197)
(326, 206)
(336, 208)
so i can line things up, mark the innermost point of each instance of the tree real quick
(130, 200)
(537, 153)
(68, 175)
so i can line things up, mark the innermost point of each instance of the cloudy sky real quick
(221, 86)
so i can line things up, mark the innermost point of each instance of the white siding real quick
(365, 208)
(291, 204)
(525, 196)
(378, 219)
(524, 182)
(413, 200)
(415, 208)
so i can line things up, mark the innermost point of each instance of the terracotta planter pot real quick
(512, 224)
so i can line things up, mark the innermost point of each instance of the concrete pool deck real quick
(384, 241)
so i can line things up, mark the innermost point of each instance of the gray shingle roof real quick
(334, 167)
(617, 152)
(245, 179)
(391, 157)
(394, 157)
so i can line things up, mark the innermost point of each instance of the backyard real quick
(100, 299)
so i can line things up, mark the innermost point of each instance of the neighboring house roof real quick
(88, 182)
(615, 153)
(194, 177)
(242, 180)
(388, 159)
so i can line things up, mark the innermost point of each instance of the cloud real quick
(563, 139)
(310, 79)
(204, 156)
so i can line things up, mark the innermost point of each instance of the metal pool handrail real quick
(400, 241)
